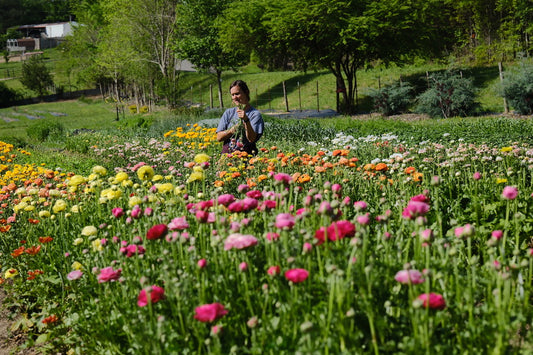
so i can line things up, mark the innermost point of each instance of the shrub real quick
(132, 109)
(517, 89)
(449, 95)
(7, 95)
(393, 99)
(44, 130)
(36, 76)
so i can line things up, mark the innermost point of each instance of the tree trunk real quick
(219, 84)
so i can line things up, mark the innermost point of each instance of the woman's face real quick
(238, 96)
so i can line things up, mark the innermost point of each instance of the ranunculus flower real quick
(271, 236)
(274, 270)
(409, 276)
(465, 231)
(497, 234)
(296, 275)
(210, 312)
(89, 231)
(117, 212)
(432, 301)
(360, 205)
(155, 293)
(341, 229)
(282, 177)
(415, 209)
(284, 220)
(477, 175)
(145, 172)
(225, 199)
(509, 192)
(202, 263)
(178, 223)
(74, 275)
(156, 232)
(255, 194)
(108, 274)
(239, 241)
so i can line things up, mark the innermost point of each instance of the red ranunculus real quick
(209, 312)
(157, 232)
(156, 294)
(296, 275)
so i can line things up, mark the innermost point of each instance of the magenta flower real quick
(509, 192)
(267, 205)
(477, 175)
(244, 205)
(271, 236)
(283, 178)
(284, 220)
(255, 194)
(239, 241)
(178, 223)
(243, 188)
(274, 270)
(117, 212)
(243, 266)
(209, 312)
(409, 276)
(157, 232)
(136, 212)
(341, 229)
(336, 188)
(202, 263)
(465, 231)
(415, 209)
(497, 234)
(296, 275)
(360, 205)
(132, 250)
(74, 275)
(307, 247)
(225, 199)
(151, 294)
(202, 216)
(363, 220)
(204, 205)
(108, 274)
(432, 301)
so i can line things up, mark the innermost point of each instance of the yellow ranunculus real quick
(127, 183)
(77, 241)
(501, 181)
(157, 178)
(195, 176)
(198, 169)
(134, 200)
(29, 208)
(54, 193)
(76, 265)
(506, 149)
(10, 273)
(179, 190)
(44, 214)
(164, 188)
(20, 206)
(100, 170)
(88, 231)
(59, 206)
(121, 177)
(201, 158)
(145, 172)
(97, 245)
(75, 209)
(76, 180)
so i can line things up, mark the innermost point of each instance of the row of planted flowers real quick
(423, 246)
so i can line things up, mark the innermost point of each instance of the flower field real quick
(349, 245)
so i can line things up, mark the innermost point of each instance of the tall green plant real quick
(36, 76)
(517, 89)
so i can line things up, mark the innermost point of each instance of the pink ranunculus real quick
(249, 204)
(239, 241)
(209, 312)
(202, 263)
(148, 211)
(283, 178)
(363, 220)
(272, 236)
(296, 275)
(157, 232)
(204, 205)
(243, 266)
(201, 216)
(415, 209)
(243, 188)
(155, 293)
(136, 212)
(117, 212)
(509, 192)
(409, 276)
(74, 275)
(360, 205)
(132, 250)
(426, 235)
(336, 188)
(108, 274)
(178, 223)
(420, 198)
(256, 194)
(497, 234)
(267, 205)
(284, 221)
(465, 231)
(477, 175)
(432, 301)
(307, 247)
(225, 199)
(341, 229)
(274, 270)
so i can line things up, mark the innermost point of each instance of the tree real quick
(36, 76)
(198, 39)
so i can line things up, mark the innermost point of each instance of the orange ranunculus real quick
(328, 165)
(51, 319)
(251, 182)
(319, 169)
(18, 252)
(369, 166)
(11, 187)
(409, 170)
(33, 250)
(33, 221)
(219, 183)
(273, 148)
(235, 175)
(418, 177)
(261, 177)
(280, 155)
(295, 176)
(340, 152)
(221, 174)
(320, 153)
(44, 240)
(381, 167)
(304, 178)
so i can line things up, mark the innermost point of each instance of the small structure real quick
(38, 37)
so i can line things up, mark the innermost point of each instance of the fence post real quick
(269, 100)
(317, 100)
(285, 97)
(211, 95)
(192, 97)
(505, 106)
(299, 97)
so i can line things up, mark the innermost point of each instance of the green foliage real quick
(393, 99)
(517, 89)
(46, 130)
(449, 95)
(7, 95)
(36, 76)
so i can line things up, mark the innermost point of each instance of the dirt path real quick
(9, 343)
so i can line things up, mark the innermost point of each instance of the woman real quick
(240, 127)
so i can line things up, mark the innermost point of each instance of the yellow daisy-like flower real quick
(179, 190)
(506, 149)
(195, 176)
(501, 181)
(164, 188)
(59, 206)
(76, 265)
(75, 209)
(201, 158)
(100, 170)
(89, 231)
(20, 206)
(10, 273)
(145, 172)
(29, 208)
(157, 178)
(134, 200)
(93, 177)
(44, 214)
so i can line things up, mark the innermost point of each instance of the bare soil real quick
(10, 342)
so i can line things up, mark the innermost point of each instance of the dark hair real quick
(243, 87)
